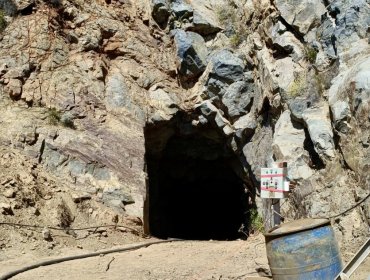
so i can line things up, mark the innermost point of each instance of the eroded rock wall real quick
(281, 80)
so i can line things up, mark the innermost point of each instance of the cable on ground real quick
(82, 256)
(72, 229)
(347, 210)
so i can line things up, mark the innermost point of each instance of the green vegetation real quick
(2, 21)
(68, 122)
(311, 54)
(226, 14)
(233, 22)
(298, 85)
(256, 222)
(235, 40)
(55, 117)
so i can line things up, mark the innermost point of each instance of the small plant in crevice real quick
(297, 86)
(235, 40)
(311, 54)
(2, 21)
(256, 222)
(55, 117)
(233, 23)
(68, 122)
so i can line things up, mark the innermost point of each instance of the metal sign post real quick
(274, 186)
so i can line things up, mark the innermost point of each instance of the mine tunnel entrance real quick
(193, 189)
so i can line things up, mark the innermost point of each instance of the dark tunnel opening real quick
(193, 189)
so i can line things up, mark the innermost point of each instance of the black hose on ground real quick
(83, 256)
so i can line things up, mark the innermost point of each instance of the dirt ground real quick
(238, 259)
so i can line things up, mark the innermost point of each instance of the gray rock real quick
(11, 7)
(226, 69)
(361, 89)
(238, 98)
(298, 105)
(227, 66)
(160, 11)
(207, 109)
(203, 26)
(180, 9)
(289, 44)
(191, 53)
(288, 145)
(91, 37)
(352, 20)
(117, 91)
(318, 124)
(116, 194)
(302, 15)
(101, 173)
(221, 122)
(327, 37)
(341, 113)
(159, 98)
(24, 4)
(245, 126)
(77, 167)
(351, 87)
(258, 152)
(52, 158)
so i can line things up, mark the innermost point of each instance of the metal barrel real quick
(305, 249)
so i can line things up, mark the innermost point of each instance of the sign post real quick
(274, 186)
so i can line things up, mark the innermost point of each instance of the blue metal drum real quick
(303, 250)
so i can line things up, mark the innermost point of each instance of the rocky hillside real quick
(89, 87)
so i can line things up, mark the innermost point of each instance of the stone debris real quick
(46, 234)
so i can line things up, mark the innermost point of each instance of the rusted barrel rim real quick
(297, 226)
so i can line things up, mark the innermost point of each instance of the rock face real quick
(288, 145)
(319, 127)
(191, 52)
(80, 86)
(302, 15)
(160, 11)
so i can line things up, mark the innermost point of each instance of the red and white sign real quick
(274, 182)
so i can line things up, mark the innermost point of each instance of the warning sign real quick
(274, 182)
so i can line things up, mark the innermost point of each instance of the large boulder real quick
(317, 120)
(352, 20)
(204, 25)
(226, 68)
(191, 53)
(285, 42)
(205, 19)
(238, 98)
(302, 15)
(288, 145)
(245, 126)
(181, 9)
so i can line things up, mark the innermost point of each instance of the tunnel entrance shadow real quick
(193, 190)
